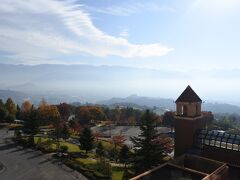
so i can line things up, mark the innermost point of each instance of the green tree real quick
(65, 132)
(124, 155)
(86, 140)
(168, 119)
(3, 113)
(147, 152)
(11, 107)
(31, 125)
(1, 103)
(18, 113)
(10, 118)
(100, 150)
(57, 124)
(104, 167)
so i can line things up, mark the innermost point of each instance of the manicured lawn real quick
(117, 175)
(71, 147)
(90, 161)
(86, 160)
(106, 145)
(14, 126)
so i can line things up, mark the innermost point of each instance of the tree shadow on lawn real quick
(7, 147)
(35, 156)
(27, 152)
(78, 155)
(44, 161)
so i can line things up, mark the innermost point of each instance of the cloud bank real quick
(39, 31)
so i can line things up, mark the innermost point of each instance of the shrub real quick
(103, 167)
(10, 118)
(63, 149)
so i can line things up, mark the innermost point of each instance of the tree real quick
(57, 124)
(100, 150)
(104, 167)
(118, 140)
(87, 114)
(1, 103)
(31, 125)
(147, 153)
(48, 113)
(18, 113)
(3, 113)
(26, 106)
(11, 107)
(64, 110)
(65, 131)
(10, 118)
(168, 119)
(75, 126)
(86, 140)
(124, 155)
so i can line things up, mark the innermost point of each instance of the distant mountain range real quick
(17, 96)
(142, 101)
(138, 102)
(87, 83)
(162, 103)
(91, 83)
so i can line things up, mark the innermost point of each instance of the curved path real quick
(25, 164)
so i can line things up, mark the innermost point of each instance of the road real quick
(26, 164)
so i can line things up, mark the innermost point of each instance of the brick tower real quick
(188, 119)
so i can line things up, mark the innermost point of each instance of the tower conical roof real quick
(188, 95)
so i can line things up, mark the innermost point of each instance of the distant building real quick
(199, 153)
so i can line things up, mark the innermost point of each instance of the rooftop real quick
(188, 95)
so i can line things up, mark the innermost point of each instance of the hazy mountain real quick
(85, 81)
(138, 102)
(142, 101)
(162, 103)
(88, 83)
(17, 96)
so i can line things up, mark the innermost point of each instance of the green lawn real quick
(71, 147)
(14, 126)
(86, 160)
(117, 173)
(106, 145)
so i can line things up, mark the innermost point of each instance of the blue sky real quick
(198, 37)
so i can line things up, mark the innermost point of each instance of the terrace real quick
(187, 167)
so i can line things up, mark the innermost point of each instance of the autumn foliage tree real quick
(118, 140)
(11, 107)
(86, 114)
(26, 106)
(64, 110)
(48, 113)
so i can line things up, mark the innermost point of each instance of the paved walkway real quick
(26, 164)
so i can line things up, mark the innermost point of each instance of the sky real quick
(197, 37)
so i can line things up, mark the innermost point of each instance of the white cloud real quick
(128, 8)
(41, 30)
(124, 33)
